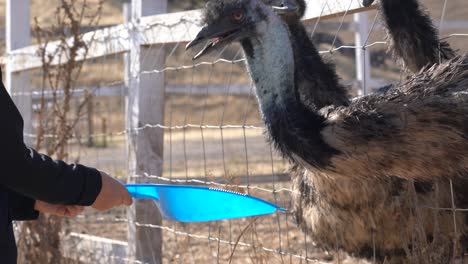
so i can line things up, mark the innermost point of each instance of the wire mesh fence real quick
(212, 135)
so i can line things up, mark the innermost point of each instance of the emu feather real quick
(413, 39)
(370, 170)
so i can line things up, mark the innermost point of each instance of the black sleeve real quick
(42, 178)
(21, 207)
(31, 174)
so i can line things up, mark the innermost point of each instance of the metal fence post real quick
(363, 74)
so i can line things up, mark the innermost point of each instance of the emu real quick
(305, 56)
(413, 39)
(359, 159)
(308, 63)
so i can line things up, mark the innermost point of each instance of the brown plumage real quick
(359, 203)
(371, 170)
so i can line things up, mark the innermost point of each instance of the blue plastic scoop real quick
(198, 203)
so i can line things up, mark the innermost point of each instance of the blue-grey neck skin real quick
(292, 127)
(271, 64)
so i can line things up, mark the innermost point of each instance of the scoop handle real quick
(139, 191)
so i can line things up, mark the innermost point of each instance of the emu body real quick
(349, 154)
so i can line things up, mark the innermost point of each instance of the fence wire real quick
(212, 140)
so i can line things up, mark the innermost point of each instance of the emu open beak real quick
(286, 8)
(367, 3)
(213, 34)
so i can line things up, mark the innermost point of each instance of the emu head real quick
(289, 10)
(229, 21)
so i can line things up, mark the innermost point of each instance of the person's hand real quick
(113, 194)
(58, 209)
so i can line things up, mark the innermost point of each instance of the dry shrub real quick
(58, 115)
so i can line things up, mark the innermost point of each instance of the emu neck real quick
(317, 82)
(294, 129)
(412, 36)
(392, 11)
(272, 69)
(271, 65)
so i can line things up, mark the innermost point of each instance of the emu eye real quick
(238, 15)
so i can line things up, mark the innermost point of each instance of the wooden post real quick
(127, 15)
(18, 35)
(145, 105)
(363, 68)
(104, 132)
(90, 117)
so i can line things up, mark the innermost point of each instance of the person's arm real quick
(25, 171)
(60, 183)
(42, 178)
(21, 207)
(37, 176)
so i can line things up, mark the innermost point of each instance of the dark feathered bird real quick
(347, 195)
(411, 36)
(310, 67)
(291, 11)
